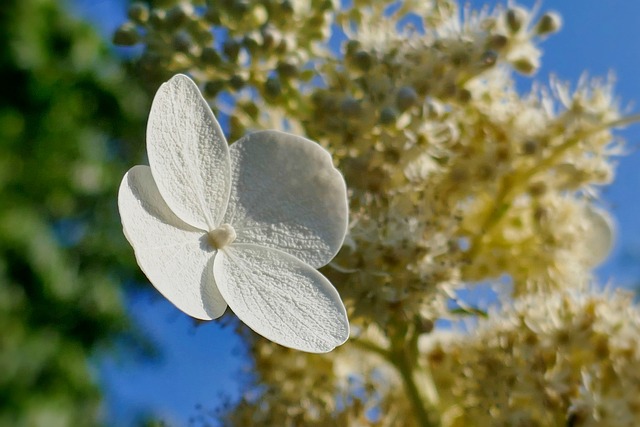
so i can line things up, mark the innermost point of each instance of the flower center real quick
(222, 236)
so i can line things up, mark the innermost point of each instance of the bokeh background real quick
(83, 336)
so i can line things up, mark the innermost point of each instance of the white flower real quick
(244, 225)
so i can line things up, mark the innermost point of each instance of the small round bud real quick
(251, 109)
(237, 82)
(158, 18)
(287, 69)
(351, 47)
(178, 15)
(406, 97)
(524, 66)
(388, 115)
(138, 12)
(515, 18)
(201, 32)
(272, 87)
(238, 8)
(250, 43)
(213, 88)
(285, 45)
(231, 49)
(182, 42)
(270, 37)
(258, 15)
(126, 35)
(210, 56)
(212, 15)
(363, 60)
(425, 326)
(286, 7)
(497, 41)
(549, 23)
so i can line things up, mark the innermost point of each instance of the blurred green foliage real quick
(70, 125)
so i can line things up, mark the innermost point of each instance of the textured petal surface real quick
(281, 298)
(174, 255)
(188, 154)
(287, 195)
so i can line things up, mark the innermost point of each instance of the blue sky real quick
(199, 363)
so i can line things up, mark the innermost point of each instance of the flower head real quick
(244, 225)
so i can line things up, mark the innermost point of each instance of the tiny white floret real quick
(245, 225)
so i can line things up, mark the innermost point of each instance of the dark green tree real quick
(71, 123)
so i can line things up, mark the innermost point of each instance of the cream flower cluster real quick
(243, 226)
(454, 177)
(560, 358)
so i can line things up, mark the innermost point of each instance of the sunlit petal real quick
(286, 194)
(175, 256)
(188, 154)
(281, 297)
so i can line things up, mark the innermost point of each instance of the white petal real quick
(174, 255)
(281, 298)
(188, 154)
(599, 236)
(287, 195)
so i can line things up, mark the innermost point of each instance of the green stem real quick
(401, 360)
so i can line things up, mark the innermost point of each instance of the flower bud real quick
(250, 43)
(363, 60)
(270, 37)
(212, 15)
(210, 56)
(351, 47)
(239, 7)
(425, 326)
(237, 82)
(231, 49)
(525, 66)
(406, 97)
(497, 41)
(549, 23)
(213, 88)
(286, 8)
(200, 31)
(126, 35)
(182, 42)
(516, 18)
(388, 115)
(158, 18)
(138, 12)
(272, 87)
(287, 69)
(178, 15)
